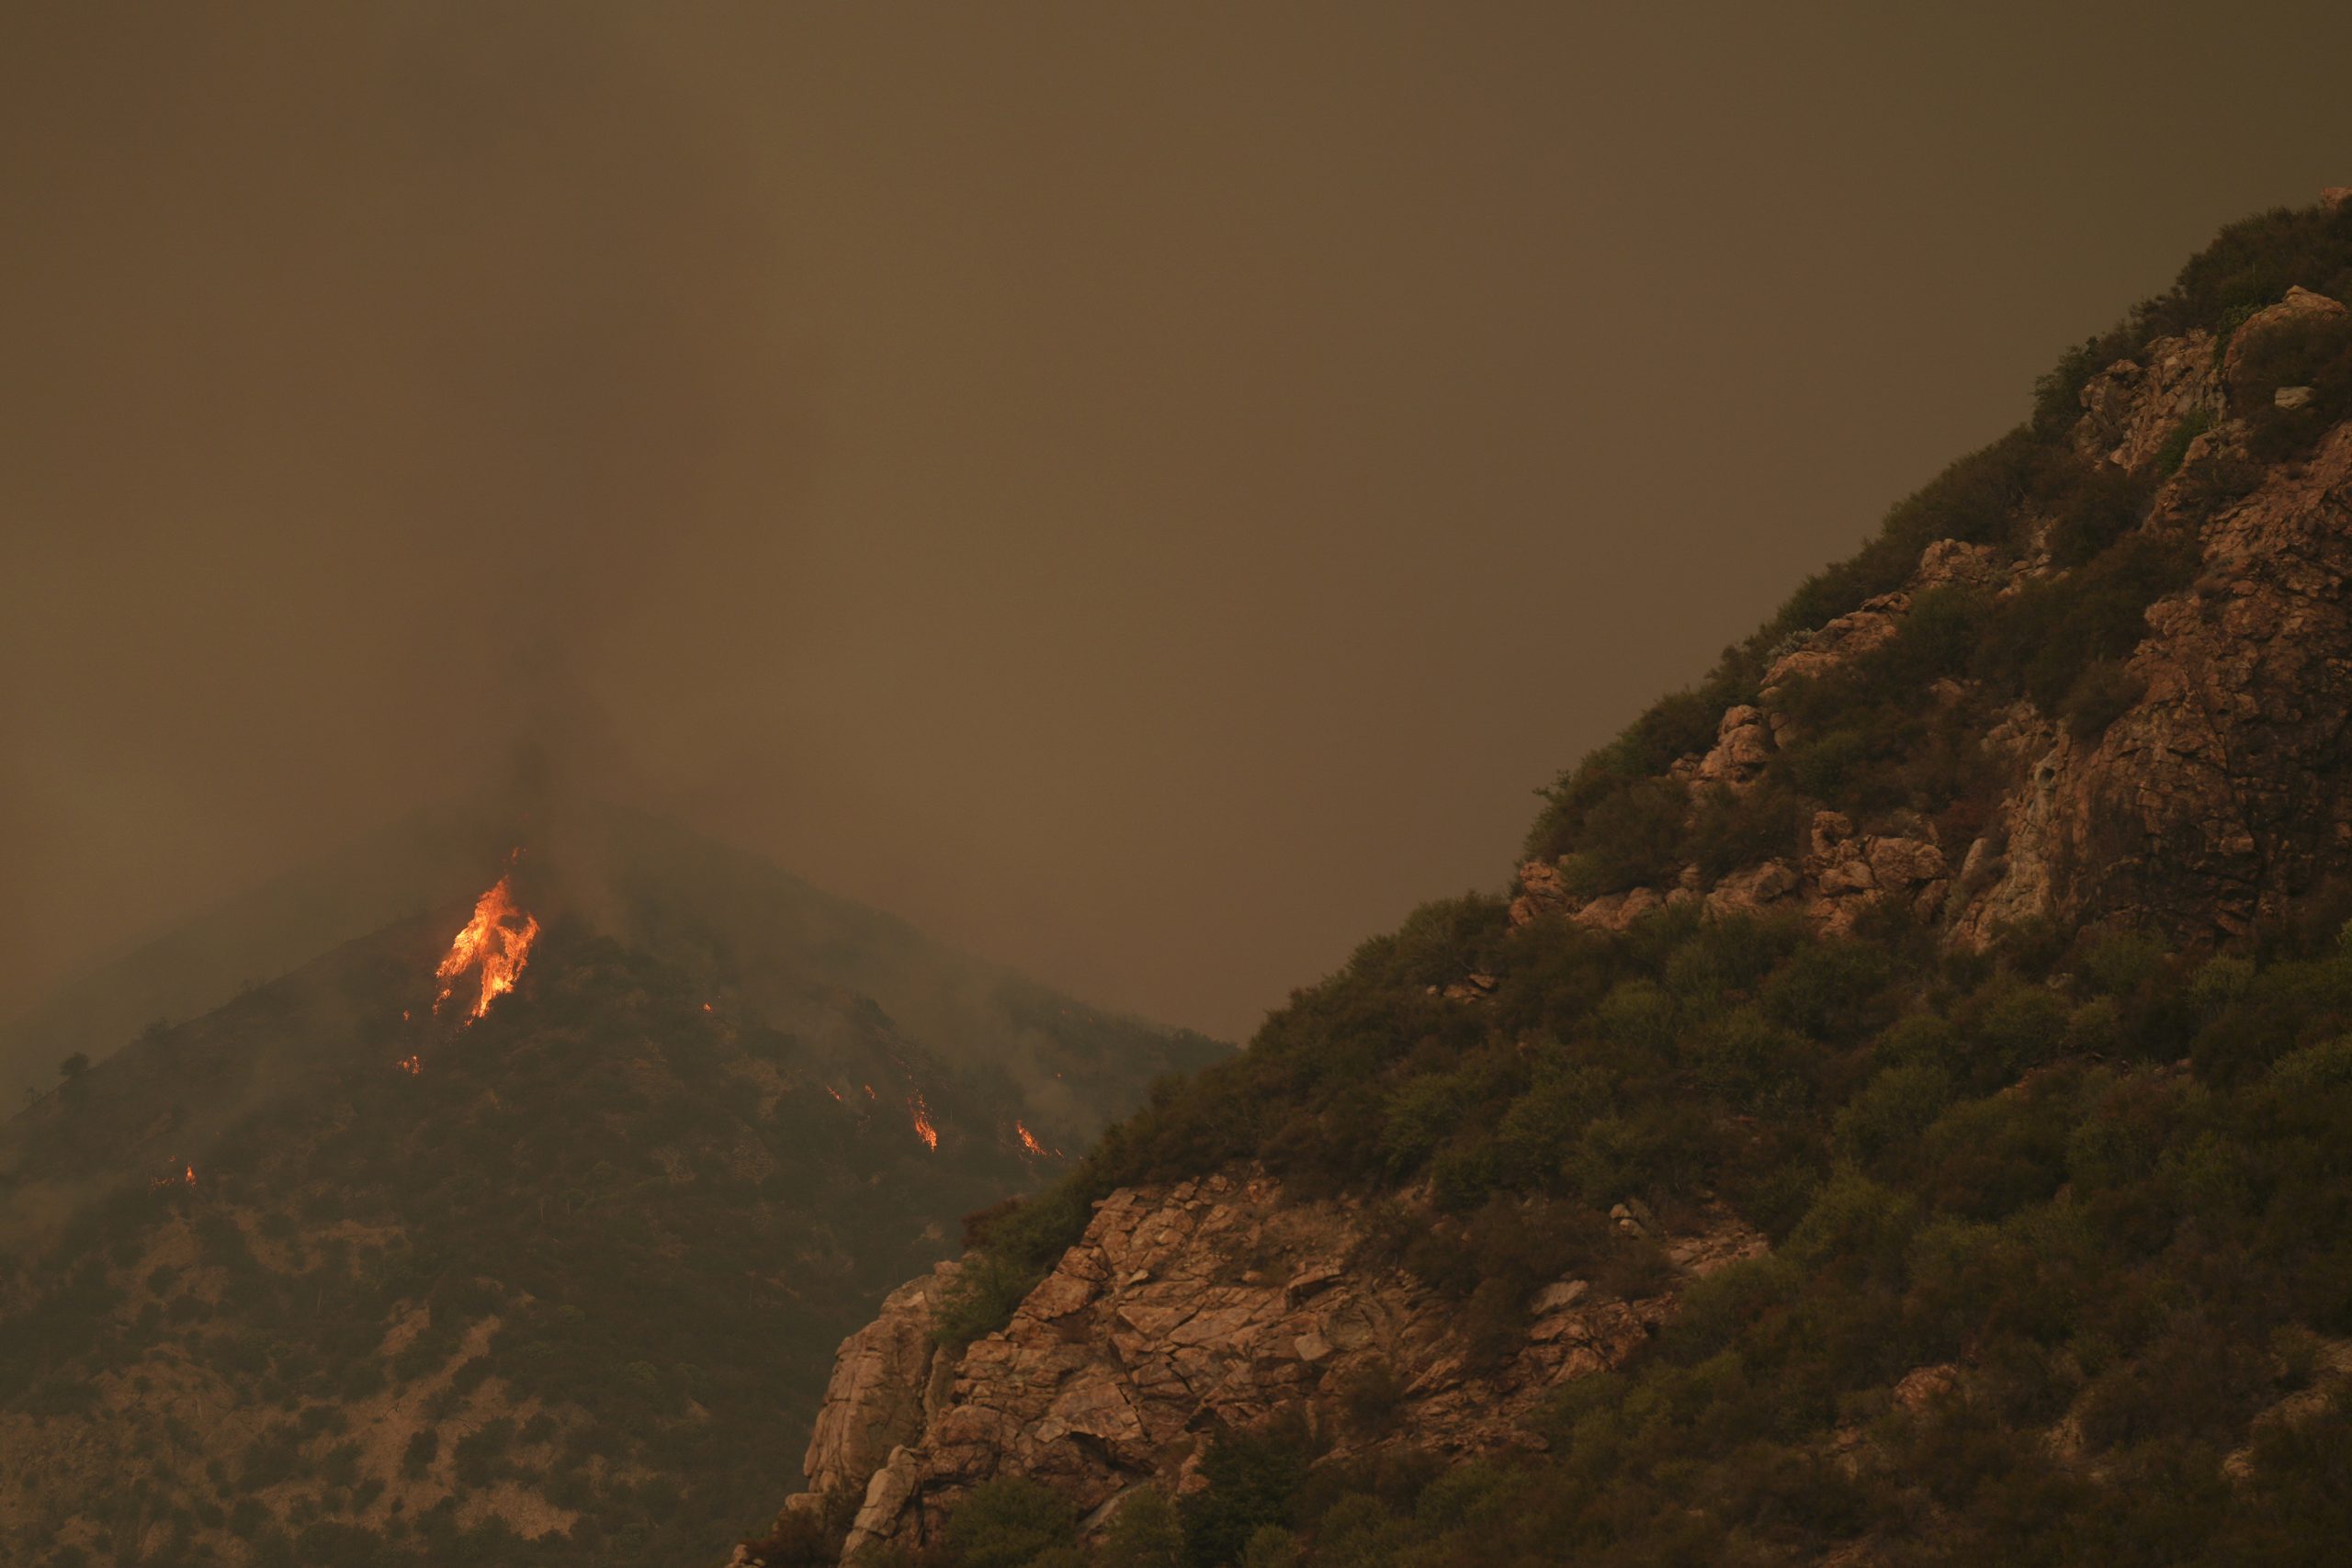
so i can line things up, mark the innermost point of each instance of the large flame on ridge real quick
(496, 942)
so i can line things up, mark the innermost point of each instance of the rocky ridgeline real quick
(2219, 792)
(1184, 1308)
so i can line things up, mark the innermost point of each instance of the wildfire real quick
(186, 1177)
(497, 942)
(411, 1065)
(923, 1129)
(836, 1094)
(1029, 1141)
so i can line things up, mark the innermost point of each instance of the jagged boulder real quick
(1184, 1308)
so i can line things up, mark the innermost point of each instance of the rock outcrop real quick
(2225, 790)
(2131, 409)
(1190, 1307)
(881, 1394)
(2217, 795)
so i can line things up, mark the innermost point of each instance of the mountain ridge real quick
(1977, 935)
(340, 1272)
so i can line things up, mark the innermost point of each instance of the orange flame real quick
(923, 1129)
(411, 1065)
(836, 1094)
(186, 1177)
(497, 941)
(1029, 1141)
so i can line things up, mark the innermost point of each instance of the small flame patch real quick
(923, 1129)
(1029, 1142)
(411, 1065)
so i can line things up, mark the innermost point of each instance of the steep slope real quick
(1898, 1115)
(335, 1274)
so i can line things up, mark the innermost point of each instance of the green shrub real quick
(1144, 1533)
(1889, 1115)
(981, 1299)
(1630, 837)
(2312, 353)
(1006, 1522)
(1729, 831)
(1253, 1478)
(2051, 629)
(2174, 451)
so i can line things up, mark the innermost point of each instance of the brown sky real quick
(1146, 492)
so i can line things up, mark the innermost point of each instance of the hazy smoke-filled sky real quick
(1145, 491)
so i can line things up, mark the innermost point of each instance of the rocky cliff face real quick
(1183, 1309)
(2215, 797)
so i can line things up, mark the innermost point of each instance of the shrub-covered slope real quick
(322, 1279)
(2030, 1059)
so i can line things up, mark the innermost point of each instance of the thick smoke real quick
(382, 388)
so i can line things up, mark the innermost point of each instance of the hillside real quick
(1898, 1114)
(657, 885)
(339, 1273)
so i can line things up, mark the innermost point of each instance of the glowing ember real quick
(923, 1129)
(1029, 1141)
(836, 1094)
(869, 1091)
(706, 1007)
(186, 1177)
(411, 1065)
(496, 942)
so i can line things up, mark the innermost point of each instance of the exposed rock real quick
(875, 1399)
(1922, 1386)
(2225, 789)
(1123, 1386)
(1950, 563)
(2301, 305)
(1755, 889)
(2291, 396)
(1848, 637)
(2131, 409)
(1542, 891)
(1615, 911)
(1743, 749)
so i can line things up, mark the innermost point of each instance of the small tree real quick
(73, 1066)
(1144, 1533)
